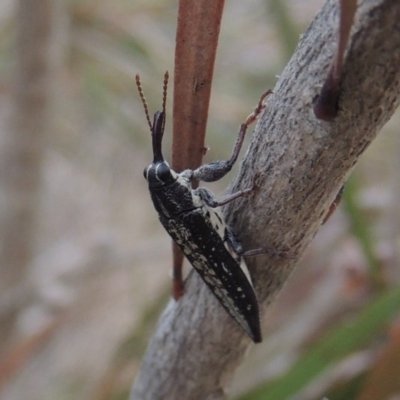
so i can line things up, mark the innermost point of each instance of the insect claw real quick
(260, 106)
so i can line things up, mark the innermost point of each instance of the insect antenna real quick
(165, 87)
(144, 102)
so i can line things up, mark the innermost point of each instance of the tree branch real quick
(300, 164)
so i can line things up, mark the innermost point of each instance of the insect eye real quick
(145, 173)
(163, 172)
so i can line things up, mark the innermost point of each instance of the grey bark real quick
(300, 164)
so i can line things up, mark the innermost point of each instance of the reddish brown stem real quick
(326, 107)
(196, 45)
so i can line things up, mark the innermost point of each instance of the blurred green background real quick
(80, 295)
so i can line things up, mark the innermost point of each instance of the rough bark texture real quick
(300, 164)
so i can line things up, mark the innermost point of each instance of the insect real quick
(194, 220)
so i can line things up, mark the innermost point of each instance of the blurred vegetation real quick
(340, 342)
(100, 271)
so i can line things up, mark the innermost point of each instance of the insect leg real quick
(266, 250)
(236, 246)
(216, 170)
(210, 200)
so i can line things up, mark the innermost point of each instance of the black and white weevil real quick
(193, 219)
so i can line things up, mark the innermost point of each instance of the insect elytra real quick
(193, 218)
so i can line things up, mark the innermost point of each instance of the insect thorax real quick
(173, 199)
